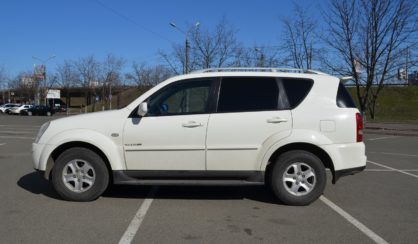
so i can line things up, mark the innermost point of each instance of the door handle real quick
(276, 120)
(192, 124)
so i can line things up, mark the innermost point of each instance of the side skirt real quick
(158, 177)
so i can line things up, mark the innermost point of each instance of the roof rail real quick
(258, 69)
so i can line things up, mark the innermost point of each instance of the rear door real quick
(249, 111)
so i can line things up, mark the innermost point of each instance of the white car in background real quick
(5, 108)
(18, 110)
(272, 126)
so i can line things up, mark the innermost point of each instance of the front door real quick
(172, 135)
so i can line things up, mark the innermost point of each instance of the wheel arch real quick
(65, 146)
(314, 149)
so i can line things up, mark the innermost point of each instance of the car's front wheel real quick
(79, 174)
(298, 178)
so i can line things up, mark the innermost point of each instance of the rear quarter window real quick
(344, 99)
(296, 90)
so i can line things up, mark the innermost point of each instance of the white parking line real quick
(2, 144)
(390, 170)
(396, 154)
(381, 138)
(397, 170)
(17, 137)
(136, 222)
(20, 126)
(353, 221)
(16, 132)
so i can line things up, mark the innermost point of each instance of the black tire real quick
(282, 190)
(100, 171)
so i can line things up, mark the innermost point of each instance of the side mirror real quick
(143, 109)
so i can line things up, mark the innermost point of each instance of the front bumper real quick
(40, 155)
(36, 155)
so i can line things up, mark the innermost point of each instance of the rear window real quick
(344, 99)
(296, 90)
(245, 94)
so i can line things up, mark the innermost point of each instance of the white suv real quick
(5, 108)
(18, 110)
(273, 126)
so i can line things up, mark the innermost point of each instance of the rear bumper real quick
(340, 173)
(347, 158)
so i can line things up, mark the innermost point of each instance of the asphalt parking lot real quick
(375, 206)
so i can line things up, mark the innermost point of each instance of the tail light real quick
(359, 127)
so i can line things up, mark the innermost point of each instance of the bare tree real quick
(45, 85)
(3, 76)
(176, 60)
(300, 41)
(257, 56)
(110, 76)
(147, 76)
(217, 48)
(3, 83)
(88, 71)
(66, 78)
(368, 36)
(23, 86)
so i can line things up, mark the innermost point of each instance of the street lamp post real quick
(187, 46)
(38, 88)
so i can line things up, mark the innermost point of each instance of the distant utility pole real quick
(38, 88)
(187, 46)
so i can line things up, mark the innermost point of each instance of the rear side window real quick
(344, 100)
(296, 90)
(245, 94)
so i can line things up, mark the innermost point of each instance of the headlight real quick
(42, 131)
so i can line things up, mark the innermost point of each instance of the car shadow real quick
(256, 193)
(36, 184)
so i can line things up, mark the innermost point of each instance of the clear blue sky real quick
(71, 29)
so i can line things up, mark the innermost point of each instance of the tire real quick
(298, 178)
(86, 173)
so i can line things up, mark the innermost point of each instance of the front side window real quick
(186, 98)
(246, 94)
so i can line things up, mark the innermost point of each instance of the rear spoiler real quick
(345, 79)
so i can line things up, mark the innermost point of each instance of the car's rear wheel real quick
(298, 178)
(79, 174)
